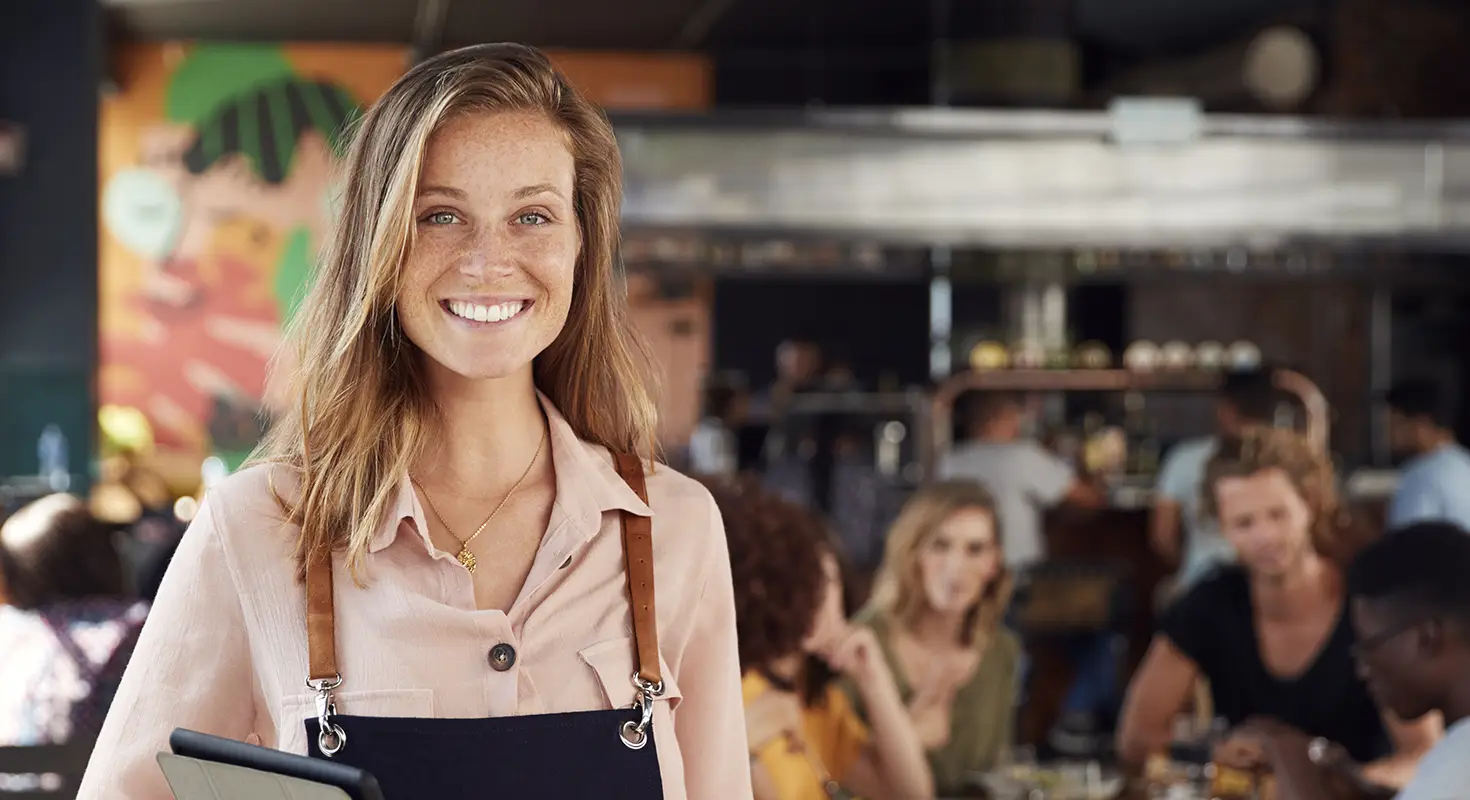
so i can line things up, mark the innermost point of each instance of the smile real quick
(492, 313)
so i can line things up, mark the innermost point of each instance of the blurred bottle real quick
(51, 455)
(1143, 442)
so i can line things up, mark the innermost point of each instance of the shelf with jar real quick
(1091, 368)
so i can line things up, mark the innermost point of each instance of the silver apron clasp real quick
(330, 739)
(635, 734)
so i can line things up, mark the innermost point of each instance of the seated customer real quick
(804, 738)
(936, 611)
(1272, 634)
(66, 631)
(1411, 612)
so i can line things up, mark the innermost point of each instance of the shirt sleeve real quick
(1191, 622)
(710, 719)
(1415, 501)
(1177, 480)
(191, 669)
(1048, 477)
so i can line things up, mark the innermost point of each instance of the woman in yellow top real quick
(806, 742)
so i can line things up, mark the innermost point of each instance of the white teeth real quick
(478, 313)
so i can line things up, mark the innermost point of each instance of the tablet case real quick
(213, 751)
(197, 779)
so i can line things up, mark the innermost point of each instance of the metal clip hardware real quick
(635, 735)
(330, 739)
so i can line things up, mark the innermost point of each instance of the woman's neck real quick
(487, 433)
(937, 630)
(1299, 590)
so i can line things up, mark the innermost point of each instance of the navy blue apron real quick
(607, 754)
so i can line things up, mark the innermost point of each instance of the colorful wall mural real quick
(216, 165)
(216, 168)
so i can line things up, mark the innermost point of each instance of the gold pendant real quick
(467, 558)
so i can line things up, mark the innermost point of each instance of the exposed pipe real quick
(699, 23)
(428, 29)
(1380, 369)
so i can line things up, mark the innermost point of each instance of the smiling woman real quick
(456, 518)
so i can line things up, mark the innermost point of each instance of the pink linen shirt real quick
(224, 650)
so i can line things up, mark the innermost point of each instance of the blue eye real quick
(532, 218)
(442, 218)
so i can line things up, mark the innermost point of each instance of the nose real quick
(954, 566)
(487, 254)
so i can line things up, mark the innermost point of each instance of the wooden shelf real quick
(1082, 380)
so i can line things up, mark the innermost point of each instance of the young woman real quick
(1271, 634)
(453, 522)
(805, 740)
(936, 613)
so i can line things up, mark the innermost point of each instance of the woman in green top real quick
(937, 607)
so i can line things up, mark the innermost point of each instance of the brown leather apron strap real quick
(321, 621)
(638, 550)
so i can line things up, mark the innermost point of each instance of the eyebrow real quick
(520, 194)
(447, 191)
(540, 188)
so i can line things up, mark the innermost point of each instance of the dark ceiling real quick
(765, 51)
(803, 52)
(699, 24)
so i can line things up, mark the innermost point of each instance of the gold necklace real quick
(465, 556)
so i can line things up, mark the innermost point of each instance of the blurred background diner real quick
(988, 291)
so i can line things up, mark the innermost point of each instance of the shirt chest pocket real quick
(296, 709)
(614, 663)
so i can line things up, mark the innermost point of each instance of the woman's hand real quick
(1251, 744)
(855, 653)
(933, 700)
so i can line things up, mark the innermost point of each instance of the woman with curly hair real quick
(805, 740)
(1271, 634)
(937, 614)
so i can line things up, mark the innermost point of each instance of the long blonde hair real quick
(361, 409)
(899, 588)
(1258, 448)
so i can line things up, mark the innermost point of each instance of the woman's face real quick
(1265, 519)
(488, 279)
(831, 620)
(958, 560)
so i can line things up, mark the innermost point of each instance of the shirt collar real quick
(587, 485)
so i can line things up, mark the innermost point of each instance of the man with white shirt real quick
(1024, 478)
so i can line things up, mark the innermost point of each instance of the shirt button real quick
(502, 657)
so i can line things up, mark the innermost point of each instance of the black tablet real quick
(358, 784)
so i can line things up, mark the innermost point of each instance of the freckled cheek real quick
(554, 266)
(426, 262)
